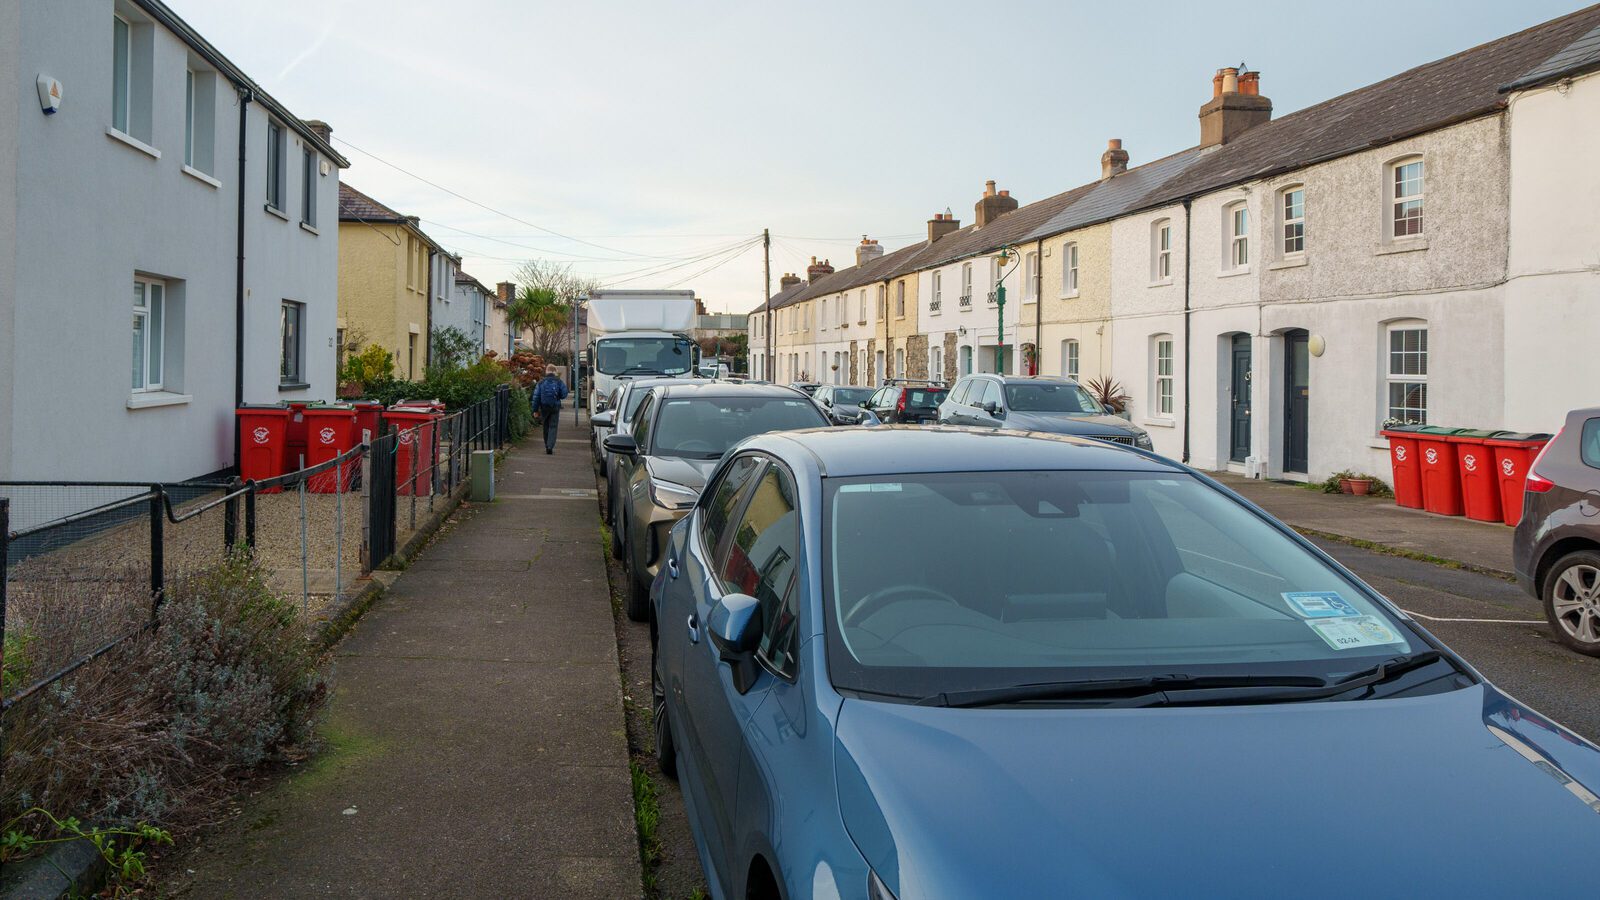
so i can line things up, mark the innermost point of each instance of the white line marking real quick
(1485, 621)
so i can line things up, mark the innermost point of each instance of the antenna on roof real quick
(947, 212)
(1242, 67)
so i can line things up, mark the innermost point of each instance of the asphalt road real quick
(1494, 626)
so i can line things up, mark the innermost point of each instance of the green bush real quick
(521, 413)
(1330, 485)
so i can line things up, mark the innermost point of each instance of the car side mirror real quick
(603, 419)
(735, 628)
(623, 444)
(992, 408)
(863, 405)
(868, 419)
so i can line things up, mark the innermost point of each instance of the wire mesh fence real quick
(85, 563)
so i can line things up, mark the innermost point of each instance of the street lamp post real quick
(1008, 254)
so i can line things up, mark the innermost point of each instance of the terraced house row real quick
(1425, 249)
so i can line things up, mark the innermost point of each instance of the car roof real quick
(894, 449)
(1024, 379)
(681, 388)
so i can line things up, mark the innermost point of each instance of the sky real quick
(647, 144)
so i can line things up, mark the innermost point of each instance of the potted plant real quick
(1358, 486)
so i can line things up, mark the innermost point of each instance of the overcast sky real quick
(651, 133)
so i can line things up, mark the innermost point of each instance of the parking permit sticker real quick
(1353, 633)
(870, 488)
(1319, 604)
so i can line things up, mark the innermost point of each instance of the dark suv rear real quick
(1556, 549)
(903, 401)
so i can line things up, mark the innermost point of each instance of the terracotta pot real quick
(1344, 486)
(1359, 486)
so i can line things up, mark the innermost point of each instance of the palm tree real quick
(541, 311)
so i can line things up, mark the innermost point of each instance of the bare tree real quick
(542, 311)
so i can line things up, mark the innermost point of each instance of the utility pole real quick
(766, 325)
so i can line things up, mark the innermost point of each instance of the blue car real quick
(952, 663)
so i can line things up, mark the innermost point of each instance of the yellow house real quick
(383, 281)
(1075, 288)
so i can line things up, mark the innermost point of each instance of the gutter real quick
(245, 96)
(1187, 263)
(1038, 305)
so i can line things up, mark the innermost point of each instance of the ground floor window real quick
(149, 333)
(1407, 374)
(1163, 375)
(411, 354)
(936, 363)
(1069, 359)
(291, 369)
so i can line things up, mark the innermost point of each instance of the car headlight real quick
(669, 495)
(1141, 439)
(876, 889)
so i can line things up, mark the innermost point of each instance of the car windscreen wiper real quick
(646, 370)
(1177, 689)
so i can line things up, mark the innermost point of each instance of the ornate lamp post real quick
(1009, 255)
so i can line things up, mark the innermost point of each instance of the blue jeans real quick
(550, 416)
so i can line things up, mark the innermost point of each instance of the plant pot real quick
(1345, 486)
(1359, 486)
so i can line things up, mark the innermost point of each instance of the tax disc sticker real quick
(1354, 632)
(1319, 604)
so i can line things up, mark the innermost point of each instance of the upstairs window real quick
(938, 291)
(1407, 209)
(861, 300)
(1294, 221)
(966, 283)
(132, 56)
(275, 147)
(1030, 277)
(1161, 250)
(1238, 237)
(121, 73)
(900, 298)
(308, 186)
(882, 302)
(1069, 269)
(1407, 373)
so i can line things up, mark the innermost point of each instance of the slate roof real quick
(355, 206)
(1444, 92)
(1578, 57)
(1115, 196)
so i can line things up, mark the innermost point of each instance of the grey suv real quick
(1556, 548)
(1036, 403)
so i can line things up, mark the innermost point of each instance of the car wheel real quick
(666, 751)
(1572, 601)
(616, 537)
(637, 598)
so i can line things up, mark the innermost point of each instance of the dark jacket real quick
(550, 391)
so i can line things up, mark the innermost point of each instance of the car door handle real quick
(694, 629)
(672, 566)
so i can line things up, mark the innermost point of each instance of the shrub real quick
(521, 413)
(1330, 485)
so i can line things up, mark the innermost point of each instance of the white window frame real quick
(150, 312)
(899, 362)
(1395, 362)
(124, 91)
(936, 363)
(1236, 219)
(1292, 229)
(1069, 269)
(966, 283)
(1071, 358)
(1163, 378)
(936, 303)
(1030, 276)
(1161, 251)
(862, 299)
(1396, 199)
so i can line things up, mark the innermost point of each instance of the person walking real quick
(547, 397)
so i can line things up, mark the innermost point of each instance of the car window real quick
(641, 420)
(1104, 574)
(635, 397)
(850, 396)
(614, 400)
(1591, 443)
(762, 561)
(724, 501)
(823, 394)
(1049, 396)
(924, 397)
(706, 427)
(991, 393)
(963, 387)
(877, 399)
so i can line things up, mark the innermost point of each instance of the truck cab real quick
(640, 334)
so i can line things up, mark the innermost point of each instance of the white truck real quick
(639, 334)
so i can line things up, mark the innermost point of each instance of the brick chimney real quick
(992, 205)
(941, 225)
(867, 251)
(322, 129)
(1114, 161)
(1236, 105)
(817, 270)
(505, 291)
(788, 280)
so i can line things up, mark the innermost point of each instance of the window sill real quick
(1234, 273)
(148, 399)
(200, 176)
(274, 211)
(1028, 300)
(1378, 443)
(1166, 282)
(1402, 245)
(1293, 262)
(1071, 296)
(1159, 423)
(309, 228)
(292, 386)
(122, 137)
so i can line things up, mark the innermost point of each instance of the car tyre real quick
(636, 600)
(666, 750)
(1572, 601)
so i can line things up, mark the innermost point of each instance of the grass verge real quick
(1386, 550)
(647, 817)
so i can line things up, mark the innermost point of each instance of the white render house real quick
(154, 272)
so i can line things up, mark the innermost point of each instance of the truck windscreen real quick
(644, 356)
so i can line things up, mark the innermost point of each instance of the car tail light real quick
(1536, 483)
(900, 405)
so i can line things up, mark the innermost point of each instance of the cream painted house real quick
(384, 278)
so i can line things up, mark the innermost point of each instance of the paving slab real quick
(475, 742)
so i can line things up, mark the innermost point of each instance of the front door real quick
(1296, 400)
(1239, 443)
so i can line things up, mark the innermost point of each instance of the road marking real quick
(1485, 621)
(590, 497)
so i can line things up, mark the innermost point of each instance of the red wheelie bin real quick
(1441, 483)
(261, 442)
(416, 442)
(1480, 489)
(330, 431)
(1405, 465)
(1514, 453)
(369, 419)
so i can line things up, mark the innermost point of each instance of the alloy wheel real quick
(1575, 602)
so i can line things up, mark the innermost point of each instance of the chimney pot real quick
(1114, 161)
(1230, 80)
(988, 188)
(1005, 193)
(1114, 144)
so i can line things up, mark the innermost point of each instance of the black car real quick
(1556, 547)
(841, 403)
(903, 402)
(805, 387)
(1036, 403)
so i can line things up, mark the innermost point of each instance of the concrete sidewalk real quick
(475, 744)
(1480, 546)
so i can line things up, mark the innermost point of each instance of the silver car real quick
(617, 418)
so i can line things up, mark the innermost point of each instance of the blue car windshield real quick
(705, 427)
(1051, 397)
(1010, 578)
